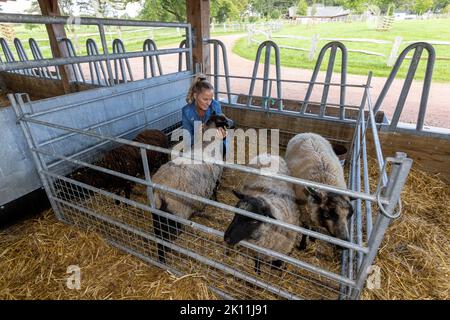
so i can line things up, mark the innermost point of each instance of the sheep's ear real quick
(269, 212)
(314, 193)
(239, 194)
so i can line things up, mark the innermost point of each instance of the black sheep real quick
(155, 138)
(124, 159)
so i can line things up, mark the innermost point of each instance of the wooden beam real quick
(55, 32)
(198, 15)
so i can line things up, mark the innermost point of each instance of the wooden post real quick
(198, 16)
(55, 32)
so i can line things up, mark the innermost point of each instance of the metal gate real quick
(68, 132)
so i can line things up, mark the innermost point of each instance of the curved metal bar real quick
(334, 45)
(96, 66)
(268, 45)
(76, 67)
(118, 47)
(9, 57)
(39, 19)
(418, 49)
(150, 45)
(180, 56)
(217, 43)
(23, 56)
(37, 55)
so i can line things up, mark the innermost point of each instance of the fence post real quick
(394, 52)
(312, 50)
(224, 27)
(249, 38)
(212, 27)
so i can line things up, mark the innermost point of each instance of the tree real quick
(353, 5)
(441, 5)
(313, 8)
(275, 14)
(302, 8)
(446, 9)
(223, 10)
(154, 11)
(422, 6)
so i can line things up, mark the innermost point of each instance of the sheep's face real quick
(219, 121)
(245, 228)
(329, 211)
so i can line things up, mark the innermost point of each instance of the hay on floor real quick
(414, 257)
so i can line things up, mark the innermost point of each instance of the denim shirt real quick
(190, 115)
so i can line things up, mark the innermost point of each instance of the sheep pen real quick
(34, 255)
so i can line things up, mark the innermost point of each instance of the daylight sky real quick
(19, 6)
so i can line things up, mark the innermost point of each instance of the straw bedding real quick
(34, 255)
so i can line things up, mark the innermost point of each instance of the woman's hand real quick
(221, 133)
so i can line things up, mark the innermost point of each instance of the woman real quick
(201, 106)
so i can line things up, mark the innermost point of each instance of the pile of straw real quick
(414, 256)
(34, 255)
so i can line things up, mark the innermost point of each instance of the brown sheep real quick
(124, 159)
(127, 160)
(155, 138)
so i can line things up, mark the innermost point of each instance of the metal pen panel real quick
(333, 46)
(216, 44)
(268, 45)
(180, 56)
(418, 48)
(96, 68)
(76, 67)
(37, 55)
(150, 45)
(9, 57)
(23, 56)
(36, 19)
(119, 47)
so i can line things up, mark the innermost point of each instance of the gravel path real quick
(438, 113)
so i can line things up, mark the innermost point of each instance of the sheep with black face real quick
(198, 178)
(271, 198)
(311, 157)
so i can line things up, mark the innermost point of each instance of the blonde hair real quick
(200, 83)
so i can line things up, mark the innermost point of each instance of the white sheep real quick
(311, 157)
(271, 198)
(197, 178)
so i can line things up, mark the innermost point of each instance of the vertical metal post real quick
(406, 87)
(366, 181)
(101, 30)
(216, 72)
(333, 45)
(426, 89)
(266, 75)
(189, 42)
(150, 196)
(399, 173)
(326, 86)
(361, 115)
(40, 164)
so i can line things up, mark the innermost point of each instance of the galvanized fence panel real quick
(199, 248)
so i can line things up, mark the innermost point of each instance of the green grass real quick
(360, 63)
(133, 41)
